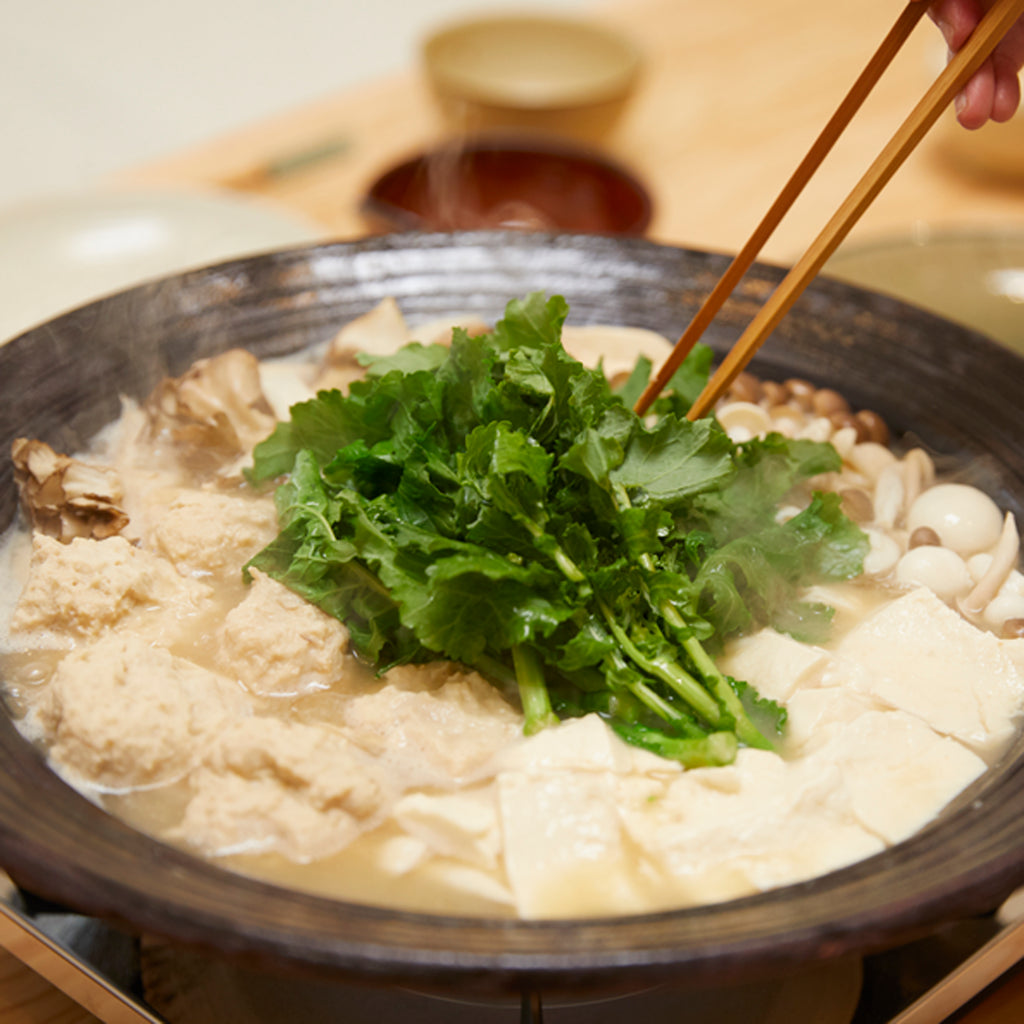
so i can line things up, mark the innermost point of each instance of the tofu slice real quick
(920, 656)
(581, 744)
(461, 825)
(565, 850)
(775, 664)
(814, 716)
(897, 773)
(762, 822)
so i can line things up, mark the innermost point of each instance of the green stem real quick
(496, 670)
(658, 705)
(593, 681)
(650, 699)
(705, 666)
(566, 565)
(745, 728)
(533, 691)
(677, 678)
(498, 674)
(712, 750)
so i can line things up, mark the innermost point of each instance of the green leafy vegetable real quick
(496, 503)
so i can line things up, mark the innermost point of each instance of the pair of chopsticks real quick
(968, 59)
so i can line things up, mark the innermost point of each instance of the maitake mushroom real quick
(64, 497)
(217, 407)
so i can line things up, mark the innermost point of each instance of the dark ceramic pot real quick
(956, 391)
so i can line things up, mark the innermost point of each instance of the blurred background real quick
(92, 87)
(140, 138)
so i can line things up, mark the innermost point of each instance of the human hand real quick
(993, 92)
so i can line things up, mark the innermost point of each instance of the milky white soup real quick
(232, 720)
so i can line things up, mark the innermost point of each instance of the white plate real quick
(61, 252)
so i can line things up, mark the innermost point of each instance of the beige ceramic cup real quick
(531, 73)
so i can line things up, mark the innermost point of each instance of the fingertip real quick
(974, 103)
(1006, 92)
(970, 119)
(969, 114)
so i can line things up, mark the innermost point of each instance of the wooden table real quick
(732, 95)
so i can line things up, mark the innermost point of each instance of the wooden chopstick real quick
(967, 60)
(852, 102)
(983, 40)
(1002, 952)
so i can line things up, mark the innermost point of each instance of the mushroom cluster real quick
(949, 537)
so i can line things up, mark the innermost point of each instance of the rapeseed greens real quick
(497, 503)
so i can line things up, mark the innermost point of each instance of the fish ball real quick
(942, 571)
(965, 519)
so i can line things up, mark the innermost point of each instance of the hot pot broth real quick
(291, 761)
